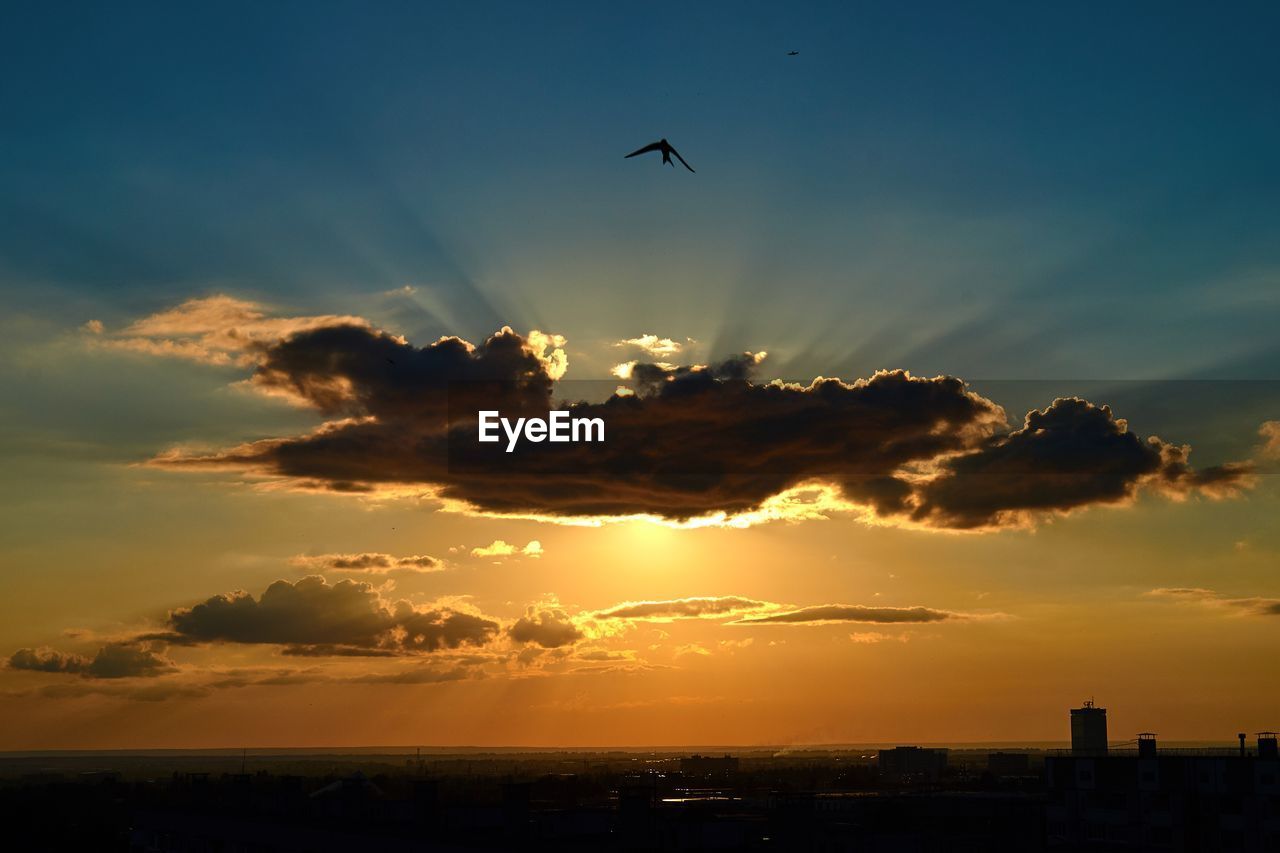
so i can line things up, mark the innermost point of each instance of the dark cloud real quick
(852, 613)
(114, 660)
(690, 441)
(1246, 605)
(331, 650)
(312, 613)
(604, 656)
(368, 563)
(549, 628)
(47, 660)
(1069, 455)
(682, 608)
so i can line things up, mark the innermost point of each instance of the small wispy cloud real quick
(1247, 605)
(367, 563)
(1270, 434)
(654, 345)
(684, 608)
(828, 613)
(217, 330)
(500, 548)
(871, 637)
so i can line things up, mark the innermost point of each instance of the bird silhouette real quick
(793, 53)
(665, 147)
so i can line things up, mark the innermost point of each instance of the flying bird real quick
(665, 147)
(793, 53)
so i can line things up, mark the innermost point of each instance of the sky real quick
(241, 246)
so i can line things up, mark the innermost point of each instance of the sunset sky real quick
(241, 248)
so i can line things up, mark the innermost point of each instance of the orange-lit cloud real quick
(499, 548)
(1270, 433)
(218, 330)
(684, 608)
(1246, 606)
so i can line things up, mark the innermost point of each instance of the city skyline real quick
(949, 380)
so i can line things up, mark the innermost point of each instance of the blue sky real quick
(1045, 200)
(890, 197)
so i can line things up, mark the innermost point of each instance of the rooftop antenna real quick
(244, 757)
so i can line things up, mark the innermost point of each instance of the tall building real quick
(1175, 800)
(1089, 729)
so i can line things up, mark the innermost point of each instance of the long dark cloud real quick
(689, 442)
(113, 660)
(1247, 605)
(372, 563)
(314, 615)
(853, 613)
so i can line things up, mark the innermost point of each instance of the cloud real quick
(368, 563)
(605, 656)
(689, 444)
(1248, 606)
(219, 330)
(1070, 455)
(313, 613)
(418, 675)
(47, 660)
(828, 613)
(499, 548)
(549, 627)
(684, 608)
(1270, 433)
(334, 650)
(113, 660)
(652, 345)
(872, 637)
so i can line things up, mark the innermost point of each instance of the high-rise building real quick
(1175, 800)
(1089, 729)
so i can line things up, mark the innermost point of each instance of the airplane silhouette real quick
(793, 53)
(665, 147)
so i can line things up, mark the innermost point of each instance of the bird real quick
(665, 147)
(793, 53)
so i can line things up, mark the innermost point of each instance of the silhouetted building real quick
(912, 763)
(709, 765)
(1169, 800)
(1009, 763)
(1088, 729)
